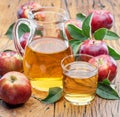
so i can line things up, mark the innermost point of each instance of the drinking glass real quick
(79, 79)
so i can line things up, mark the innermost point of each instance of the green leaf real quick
(9, 31)
(76, 33)
(23, 28)
(106, 82)
(113, 53)
(75, 44)
(100, 33)
(54, 95)
(111, 35)
(86, 27)
(106, 91)
(62, 35)
(80, 16)
(104, 33)
(38, 32)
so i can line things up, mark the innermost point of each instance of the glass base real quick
(80, 100)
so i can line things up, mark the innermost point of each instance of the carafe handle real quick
(32, 26)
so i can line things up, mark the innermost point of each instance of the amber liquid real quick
(79, 84)
(41, 62)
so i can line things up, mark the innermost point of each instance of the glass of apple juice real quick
(46, 46)
(79, 79)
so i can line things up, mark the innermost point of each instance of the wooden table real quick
(33, 108)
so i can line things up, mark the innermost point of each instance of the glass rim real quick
(75, 55)
(49, 9)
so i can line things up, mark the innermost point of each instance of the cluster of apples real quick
(10, 60)
(15, 88)
(25, 11)
(107, 66)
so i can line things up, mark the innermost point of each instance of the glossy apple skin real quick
(10, 61)
(93, 47)
(101, 19)
(24, 10)
(107, 66)
(15, 88)
(74, 22)
(23, 39)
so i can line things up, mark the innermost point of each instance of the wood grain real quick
(33, 108)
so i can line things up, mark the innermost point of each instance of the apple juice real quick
(41, 62)
(79, 83)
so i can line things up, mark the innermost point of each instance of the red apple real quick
(10, 61)
(23, 39)
(93, 47)
(74, 22)
(101, 19)
(15, 88)
(107, 66)
(24, 10)
(40, 16)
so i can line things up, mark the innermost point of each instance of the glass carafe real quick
(46, 46)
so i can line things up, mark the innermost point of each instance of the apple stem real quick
(100, 61)
(13, 78)
(108, 75)
(92, 37)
